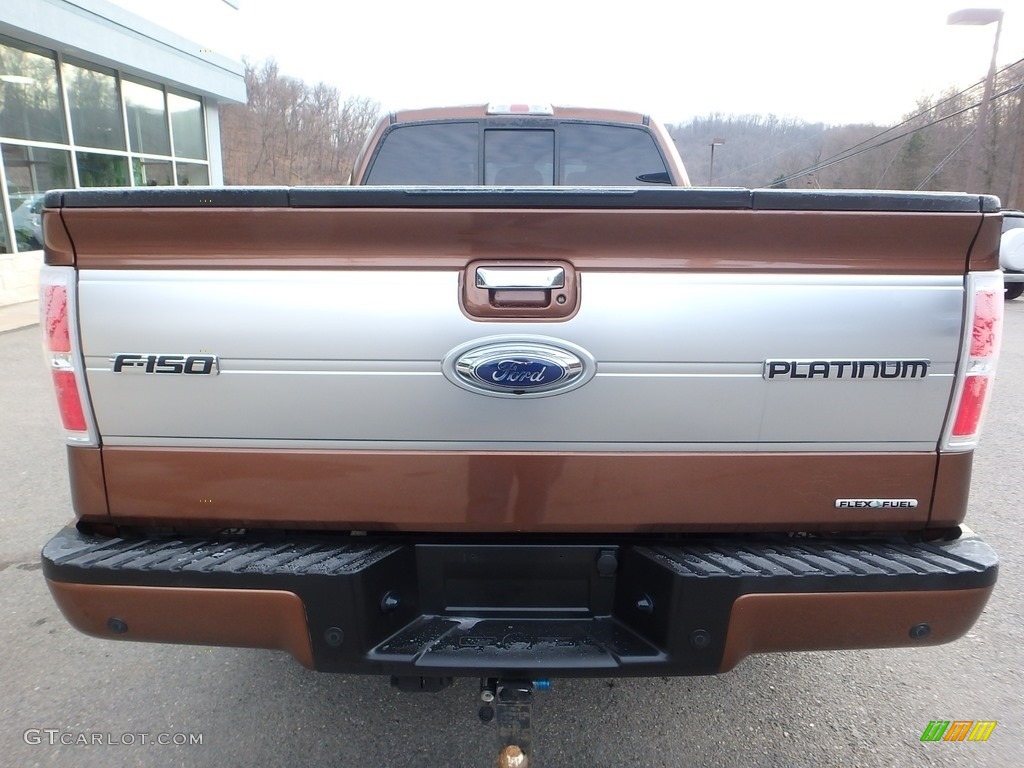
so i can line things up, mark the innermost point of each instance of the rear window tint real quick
(607, 155)
(583, 154)
(519, 158)
(437, 153)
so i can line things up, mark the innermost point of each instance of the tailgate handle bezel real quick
(520, 278)
(519, 290)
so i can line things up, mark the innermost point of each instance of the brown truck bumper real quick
(435, 608)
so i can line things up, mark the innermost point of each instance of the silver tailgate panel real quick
(350, 358)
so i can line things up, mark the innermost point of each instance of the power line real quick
(888, 166)
(825, 130)
(946, 159)
(790, 148)
(848, 154)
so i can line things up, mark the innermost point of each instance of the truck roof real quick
(477, 111)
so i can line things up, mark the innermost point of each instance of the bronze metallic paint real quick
(245, 618)
(466, 491)
(88, 492)
(58, 248)
(479, 112)
(952, 488)
(627, 240)
(985, 251)
(762, 623)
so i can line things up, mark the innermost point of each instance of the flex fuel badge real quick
(876, 503)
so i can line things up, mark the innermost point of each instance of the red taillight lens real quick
(55, 318)
(977, 366)
(988, 312)
(70, 404)
(972, 406)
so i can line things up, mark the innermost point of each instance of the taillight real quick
(980, 351)
(72, 415)
(57, 312)
(55, 318)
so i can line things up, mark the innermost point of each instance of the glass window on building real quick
(5, 247)
(147, 119)
(45, 141)
(30, 172)
(95, 108)
(30, 106)
(152, 173)
(187, 126)
(193, 174)
(98, 170)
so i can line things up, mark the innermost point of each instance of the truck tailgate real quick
(742, 366)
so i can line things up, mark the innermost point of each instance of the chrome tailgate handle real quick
(520, 278)
(519, 290)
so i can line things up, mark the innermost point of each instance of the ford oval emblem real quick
(503, 366)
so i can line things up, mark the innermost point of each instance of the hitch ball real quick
(512, 757)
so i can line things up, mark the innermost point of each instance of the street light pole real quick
(980, 17)
(711, 172)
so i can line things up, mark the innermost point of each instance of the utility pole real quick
(1015, 198)
(711, 172)
(980, 17)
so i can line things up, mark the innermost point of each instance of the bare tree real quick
(927, 150)
(290, 132)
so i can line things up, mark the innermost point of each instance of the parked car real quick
(1011, 253)
(27, 218)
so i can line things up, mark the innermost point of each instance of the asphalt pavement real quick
(70, 700)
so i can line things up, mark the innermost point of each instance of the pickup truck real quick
(521, 403)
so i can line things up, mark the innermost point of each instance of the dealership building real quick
(94, 95)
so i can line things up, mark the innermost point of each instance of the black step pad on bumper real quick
(465, 608)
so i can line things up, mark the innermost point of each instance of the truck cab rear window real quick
(608, 155)
(519, 158)
(429, 154)
(581, 154)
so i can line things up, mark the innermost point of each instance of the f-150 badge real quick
(196, 365)
(517, 367)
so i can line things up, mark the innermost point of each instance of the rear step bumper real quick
(441, 609)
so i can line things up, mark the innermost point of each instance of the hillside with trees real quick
(292, 133)
(928, 150)
(758, 150)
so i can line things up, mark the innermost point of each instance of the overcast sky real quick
(818, 60)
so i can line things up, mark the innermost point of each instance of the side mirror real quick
(1011, 250)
